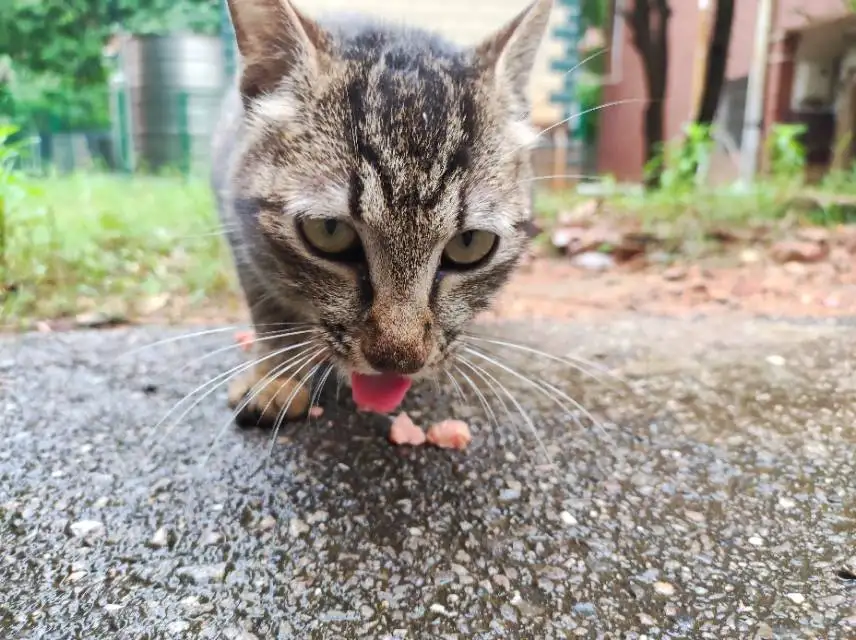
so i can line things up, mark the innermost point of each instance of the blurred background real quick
(673, 131)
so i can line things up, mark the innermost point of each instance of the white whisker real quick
(255, 390)
(283, 412)
(457, 386)
(579, 364)
(491, 416)
(585, 60)
(316, 395)
(513, 400)
(218, 380)
(576, 404)
(205, 332)
(576, 115)
(265, 338)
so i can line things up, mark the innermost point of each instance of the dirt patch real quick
(556, 288)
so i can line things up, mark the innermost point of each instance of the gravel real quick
(646, 525)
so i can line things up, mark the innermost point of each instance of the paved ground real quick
(716, 500)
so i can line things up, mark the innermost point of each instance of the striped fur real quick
(405, 136)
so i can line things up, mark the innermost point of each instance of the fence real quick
(165, 93)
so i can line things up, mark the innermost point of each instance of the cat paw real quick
(266, 407)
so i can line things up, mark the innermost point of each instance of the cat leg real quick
(271, 392)
(277, 388)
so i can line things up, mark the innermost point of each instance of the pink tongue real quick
(381, 393)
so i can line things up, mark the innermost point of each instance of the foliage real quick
(679, 163)
(588, 86)
(54, 49)
(96, 242)
(11, 192)
(786, 152)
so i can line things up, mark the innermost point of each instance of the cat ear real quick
(509, 54)
(276, 42)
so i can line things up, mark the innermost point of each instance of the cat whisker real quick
(220, 379)
(203, 333)
(457, 386)
(549, 391)
(557, 176)
(575, 403)
(497, 396)
(579, 114)
(299, 361)
(266, 337)
(582, 365)
(491, 416)
(585, 61)
(514, 401)
(316, 394)
(283, 412)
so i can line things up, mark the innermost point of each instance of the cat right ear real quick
(276, 42)
(509, 54)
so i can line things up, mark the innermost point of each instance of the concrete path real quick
(715, 500)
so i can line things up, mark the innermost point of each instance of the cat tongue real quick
(381, 393)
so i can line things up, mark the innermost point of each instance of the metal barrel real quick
(172, 86)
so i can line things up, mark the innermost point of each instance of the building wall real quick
(620, 151)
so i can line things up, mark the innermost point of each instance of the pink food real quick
(245, 339)
(380, 393)
(403, 431)
(316, 412)
(449, 434)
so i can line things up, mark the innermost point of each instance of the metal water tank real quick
(167, 92)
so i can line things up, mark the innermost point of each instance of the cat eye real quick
(329, 236)
(468, 249)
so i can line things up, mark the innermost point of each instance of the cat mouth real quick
(381, 393)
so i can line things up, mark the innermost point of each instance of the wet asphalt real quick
(713, 499)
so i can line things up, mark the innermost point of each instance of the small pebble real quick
(664, 588)
(796, 598)
(776, 360)
(786, 503)
(568, 519)
(202, 574)
(112, 608)
(160, 538)
(316, 412)
(297, 527)
(647, 620)
(756, 541)
(86, 528)
(178, 627)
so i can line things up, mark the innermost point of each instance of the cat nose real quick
(402, 361)
(397, 346)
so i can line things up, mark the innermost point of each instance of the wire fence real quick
(165, 94)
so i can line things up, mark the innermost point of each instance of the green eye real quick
(328, 235)
(469, 248)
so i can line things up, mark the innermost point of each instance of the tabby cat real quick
(373, 186)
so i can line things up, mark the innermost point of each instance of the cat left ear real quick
(509, 54)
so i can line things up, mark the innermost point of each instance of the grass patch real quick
(107, 242)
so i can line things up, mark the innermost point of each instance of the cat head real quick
(382, 183)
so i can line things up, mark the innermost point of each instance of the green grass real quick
(114, 243)
(110, 243)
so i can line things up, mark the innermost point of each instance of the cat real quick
(372, 182)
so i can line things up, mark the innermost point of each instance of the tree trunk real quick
(649, 25)
(717, 58)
